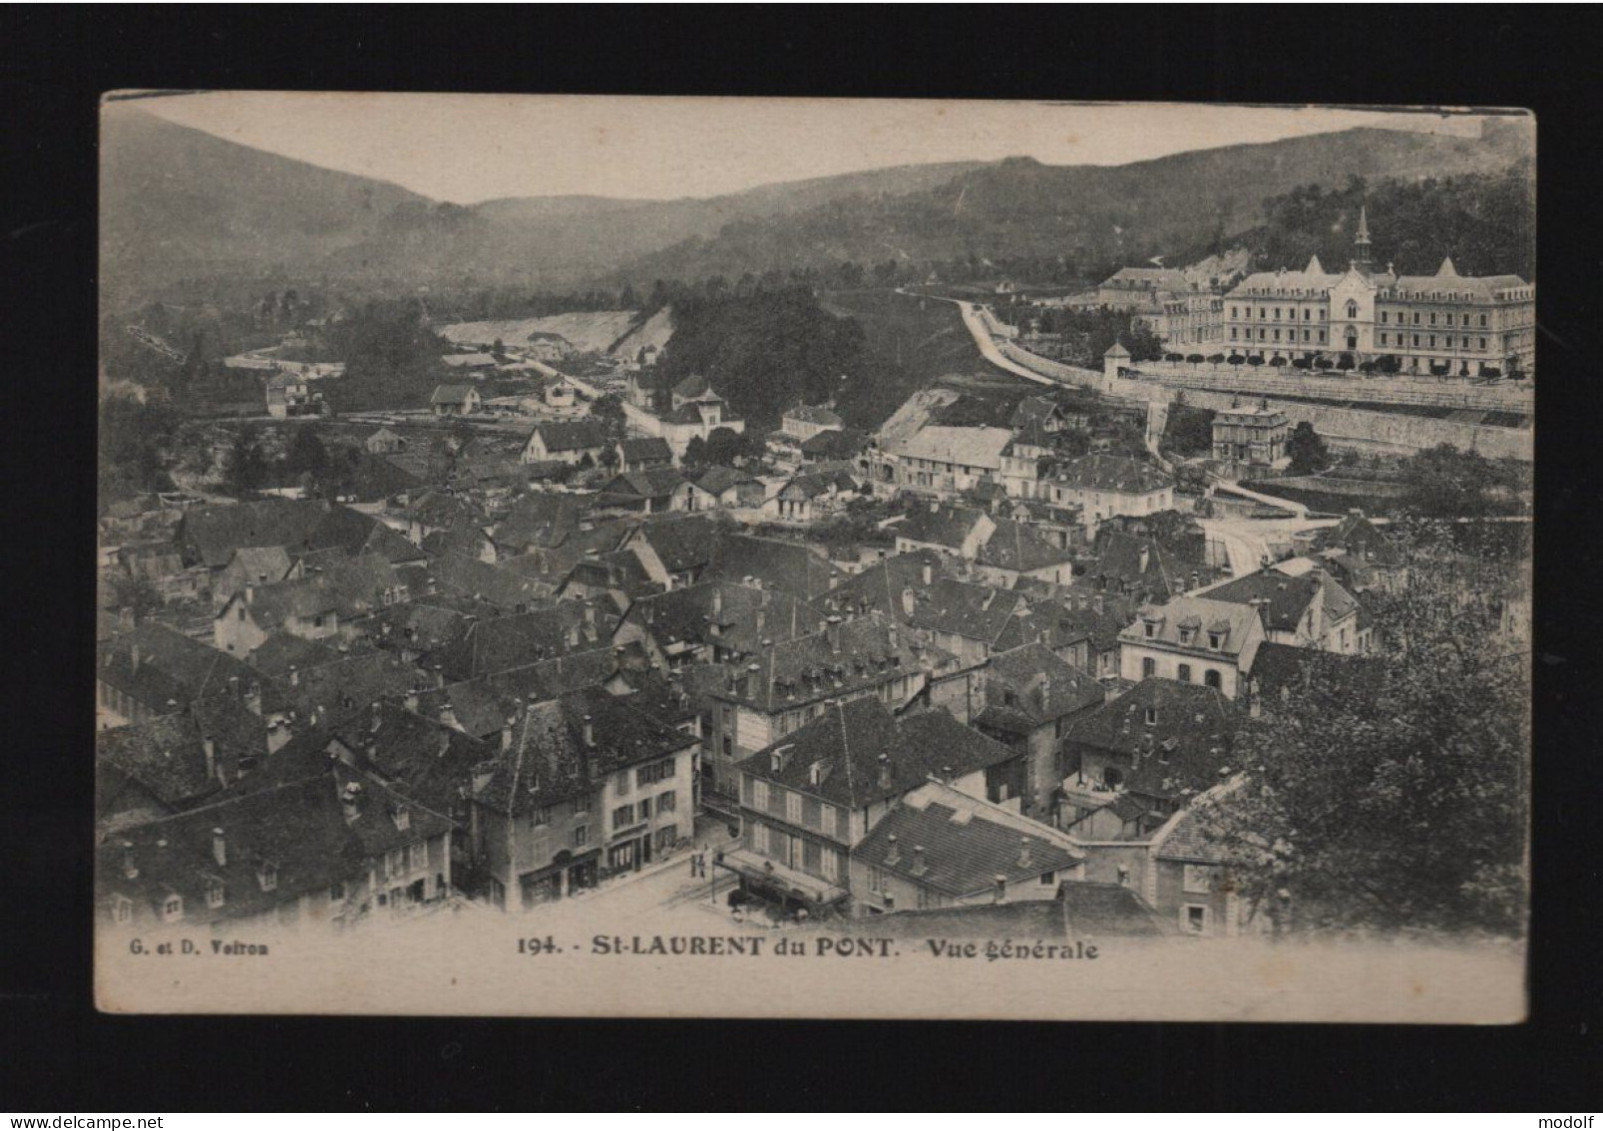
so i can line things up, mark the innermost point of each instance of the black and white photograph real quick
(683, 557)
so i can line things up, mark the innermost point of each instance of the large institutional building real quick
(1445, 322)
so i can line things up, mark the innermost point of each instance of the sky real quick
(470, 148)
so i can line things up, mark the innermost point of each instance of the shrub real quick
(1194, 359)
(1255, 359)
(1216, 359)
(1346, 362)
(1301, 363)
(1277, 360)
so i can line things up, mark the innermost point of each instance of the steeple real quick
(1361, 241)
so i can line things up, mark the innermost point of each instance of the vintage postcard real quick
(670, 557)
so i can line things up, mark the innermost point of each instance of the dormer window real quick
(1152, 716)
(172, 908)
(402, 817)
(1186, 635)
(1152, 629)
(1215, 641)
(214, 893)
(267, 876)
(122, 909)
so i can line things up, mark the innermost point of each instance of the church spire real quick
(1361, 241)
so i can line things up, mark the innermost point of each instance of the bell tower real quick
(1361, 242)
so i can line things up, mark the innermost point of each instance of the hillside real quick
(179, 203)
(1097, 217)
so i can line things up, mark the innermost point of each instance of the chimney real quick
(1001, 887)
(884, 771)
(133, 656)
(1024, 852)
(929, 575)
(350, 801)
(1124, 876)
(448, 716)
(589, 614)
(506, 731)
(1146, 558)
(1254, 700)
(210, 749)
(439, 676)
(253, 698)
(482, 773)
(1097, 604)
(760, 619)
(919, 867)
(130, 870)
(717, 603)
(589, 732)
(907, 601)
(832, 630)
(749, 681)
(893, 854)
(219, 848)
(410, 700)
(294, 676)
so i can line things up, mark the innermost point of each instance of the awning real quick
(783, 880)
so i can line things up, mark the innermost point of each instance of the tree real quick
(1307, 450)
(137, 594)
(608, 412)
(695, 452)
(1444, 482)
(247, 466)
(1389, 794)
(1189, 430)
(725, 446)
(306, 452)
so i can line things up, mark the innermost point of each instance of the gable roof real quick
(1016, 546)
(940, 525)
(809, 668)
(1111, 473)
(645, 448)
(571, 435)
(170, 667)
(1043, 687)
(1181, 753)
(880, 587)
(974, 612)
(745, 616)
(795, 567)
(1288, 598)
(485, 647)
(848, 741)
(549, 761)
(1201, 616)
(938, 838)
(965, 447)
(542, 520)
(452, 394)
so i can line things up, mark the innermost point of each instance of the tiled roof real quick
(485, 647)
(795, 567)
(281, 651)
(337, 690)
(1183, 750)
(543, 520)
(481, 705)
(421, 757)
(452, 394)
(974, 612)
(938, 838)
(808, 669)
(350, 588)
(166, 755)
(1113, 474)
(571, 436)
(939, 525)
(646, 448)
(965, 447)
(1288, 597)
(171, 666)
(1044, 686)
(299, 829)
(455, 573)
(211, 533)
(681, 542)
(650, 483)
(880, 587)
(1015, 546)
(746, 616)
(549, 761)
(1286, 671)
(1203, 615)
(848, 739)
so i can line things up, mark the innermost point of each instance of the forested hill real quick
(1095, 217)
(1485, 221)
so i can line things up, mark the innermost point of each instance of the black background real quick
(58, 1055)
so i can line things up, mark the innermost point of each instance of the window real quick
(1152, 716)
(172, 908)
(1047, 879)
(1352, 309)
(1194, 919)
(581, 835)
(419, 854)
(620, 782)
(1416, 318)
(1483, 343)
(122, 909)
(242, 612)
(1416, 340)
(1149, 667)
(1383, 317)
(776, 800)
(395, 862)
(1152, 630)
(214, 893)
(1433, 318)
(1198, 878)
(541, 816)
(1483, 320)
(1214, 640)
(759, 794)
(667, 802)
(1111, 776)
(1321, 337)
(876, 880)
(267, 876)
(623, 816)
(1277, 314)
(1433, 341)
(1211, 678)
(1232, 333)
(317, 621)
(1383, 337)
(1183, 673)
